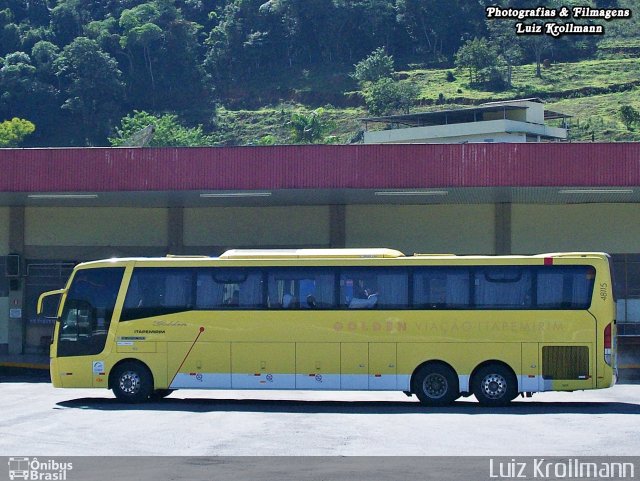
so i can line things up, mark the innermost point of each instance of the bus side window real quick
(507, 287)
(384, 288)
(441, 288)
(158, 291)
(228, 289)
(301, 288)
(565, 287)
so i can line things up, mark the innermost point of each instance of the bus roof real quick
(237, 257)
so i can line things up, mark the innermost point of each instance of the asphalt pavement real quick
(40, 420)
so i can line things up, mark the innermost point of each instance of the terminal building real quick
(62, 206)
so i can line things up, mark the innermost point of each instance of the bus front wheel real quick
(495, 385)
(436, 384)
(132, 382)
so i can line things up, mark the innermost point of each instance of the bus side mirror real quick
(50, 306)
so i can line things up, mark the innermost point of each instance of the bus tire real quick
(436, 384)
(495, 385)
(161, 393)
(132, 382)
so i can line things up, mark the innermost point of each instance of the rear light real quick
(607, 344)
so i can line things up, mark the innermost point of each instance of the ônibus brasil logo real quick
(34, 469)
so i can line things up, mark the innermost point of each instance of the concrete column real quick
(502, 229)
(17, 328)
(337, 225)
(175, 231)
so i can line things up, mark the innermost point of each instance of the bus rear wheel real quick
(436, 385)
(495, 385)
(132, 382)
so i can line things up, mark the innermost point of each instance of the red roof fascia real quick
(389, 166)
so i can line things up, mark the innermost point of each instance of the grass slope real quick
(592, 91)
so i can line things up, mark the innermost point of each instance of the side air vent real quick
(565, 362)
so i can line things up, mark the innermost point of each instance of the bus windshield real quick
(88, 310)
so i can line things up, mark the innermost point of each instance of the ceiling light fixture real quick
(412, 192)
(62, 196)
(228, 195)
(596, 191)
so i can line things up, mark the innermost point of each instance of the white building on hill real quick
(507, 121)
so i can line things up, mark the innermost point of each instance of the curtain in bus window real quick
(503, 288)
(441, 288)
(157, 291)
(561, 287)
(209, 293)
(550, 290)
(457, 288)
(374, 288)
(228, 288)
(177, 289)
(250, 291)
(393, 289)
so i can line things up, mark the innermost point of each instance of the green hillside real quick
(247, 72)
(559, 80)
(591, 91)
(599, 114)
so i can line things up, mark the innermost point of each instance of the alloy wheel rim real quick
(435, 385)
(494, 386)
(130, 382)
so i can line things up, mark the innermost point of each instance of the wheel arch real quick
(115, 367)
(428, 363)
(490, 362)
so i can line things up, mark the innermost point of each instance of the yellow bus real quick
(435, 326)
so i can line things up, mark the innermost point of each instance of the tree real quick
(376, 66)
(437, 29)
(267, 140)
(507, 43)
(168, 131)
(479, 57)
(67, 20)
(24, 94)
(9, 37)
(629, 116)
(12, 132)
(538, 45)
(91, 82)
(162, 49)
(387, 96)
(44, 55)
(309, 128)
(105, 32)
(250, 36)
(139, 30)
